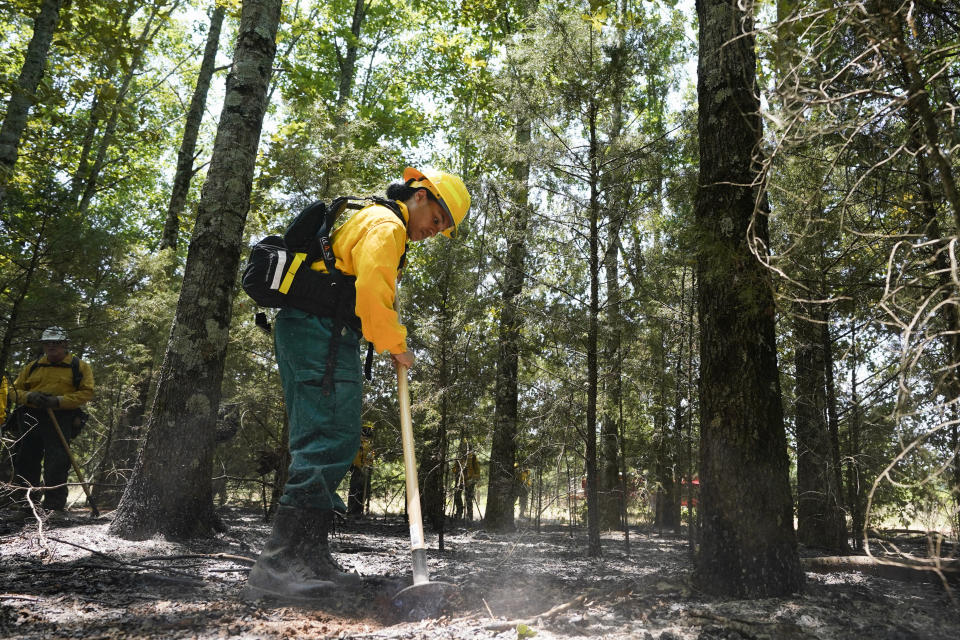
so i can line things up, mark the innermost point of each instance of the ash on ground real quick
(64, 576)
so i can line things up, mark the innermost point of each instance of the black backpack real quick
(276, 276)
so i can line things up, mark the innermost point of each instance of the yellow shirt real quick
(473, 468)
(56, 380)
(369, 246)
(364, 457)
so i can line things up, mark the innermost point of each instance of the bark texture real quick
(501, 487)
(748, 546)
(820, 519)
(24, 92)
(170, 490)
(501, 490)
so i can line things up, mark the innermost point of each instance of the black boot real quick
(296, 565)
(319, 558)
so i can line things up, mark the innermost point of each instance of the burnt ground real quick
(67, 578)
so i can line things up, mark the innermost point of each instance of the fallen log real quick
(903, 569)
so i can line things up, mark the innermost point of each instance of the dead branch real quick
(546, 615)
(903, 569)
(130, 566)
(207, 556)
(749, 628)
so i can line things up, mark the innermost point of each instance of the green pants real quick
(324, 421)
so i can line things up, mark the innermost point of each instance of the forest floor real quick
(66, 577)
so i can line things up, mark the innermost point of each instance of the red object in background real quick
(685, 490)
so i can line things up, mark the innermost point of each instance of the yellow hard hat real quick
(449, 191)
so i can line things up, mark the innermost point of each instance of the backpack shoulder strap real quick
(322, 246)
(75, 368)
(392, 205)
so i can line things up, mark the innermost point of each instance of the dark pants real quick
(469, 491)
(324, 421)
(38, 446)
(359, 485)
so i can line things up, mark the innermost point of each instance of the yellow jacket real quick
(471, 468)
(364, 457)
(56, 380)
(369, 246)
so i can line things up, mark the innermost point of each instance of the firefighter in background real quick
(466, 475)
(6, 467)
(61, 382)
(471, 478)
(523, 489)
(360, 472)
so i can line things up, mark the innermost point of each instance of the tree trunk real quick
(833, 418)
(668, 496)
(103, 84)
(435, 465)
(748, 548)
(348, 59)
(503, 452)
(593, 341)
(693, 492)
(612, 495)
(186, 155)
(855, 494)
(919, 89)
(24, 280)
(820, 520)
(24, 92)
(91, 176)
(170, 490)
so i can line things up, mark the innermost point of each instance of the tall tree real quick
(15, 121)
(501, 489)
(170, 489)
(820, 520)
(748, 546)
(188, 145)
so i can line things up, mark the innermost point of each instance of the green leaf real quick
(523, 631)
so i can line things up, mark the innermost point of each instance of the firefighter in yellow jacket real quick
(59, 381)
(319, 363)
(360, 472)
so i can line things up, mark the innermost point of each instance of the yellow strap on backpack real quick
(291, 272)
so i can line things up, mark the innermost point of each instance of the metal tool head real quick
(424, 600)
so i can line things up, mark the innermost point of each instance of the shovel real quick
(422, 599)
(94, 512)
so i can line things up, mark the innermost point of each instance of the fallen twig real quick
(748, 627)
(907, 569)
(207, 556)
(546, 615)
(488, 608)
(123, 564)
